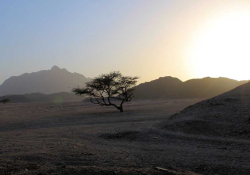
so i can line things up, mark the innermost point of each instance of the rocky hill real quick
(46, 81)
(226, 115)
(172, 88)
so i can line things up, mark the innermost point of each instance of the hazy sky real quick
(148, 38)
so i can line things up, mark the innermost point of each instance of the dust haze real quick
(124, 87)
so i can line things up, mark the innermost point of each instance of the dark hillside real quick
(226, 115)
(173, 88)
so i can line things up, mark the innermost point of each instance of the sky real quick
(145, 38)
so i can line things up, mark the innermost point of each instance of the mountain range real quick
(173, 88)
(46, 81)
(36, 87)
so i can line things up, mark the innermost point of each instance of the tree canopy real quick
(107, 88)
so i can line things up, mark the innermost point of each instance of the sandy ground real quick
(82, 138)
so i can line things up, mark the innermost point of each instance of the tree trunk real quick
(121, 109)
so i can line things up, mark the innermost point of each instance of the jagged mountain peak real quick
(55, 68)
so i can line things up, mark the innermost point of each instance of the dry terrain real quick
(82, 138)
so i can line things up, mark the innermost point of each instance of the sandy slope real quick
(79, 138)
(226, 116)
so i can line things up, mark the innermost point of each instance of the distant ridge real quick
(43, 98)
(173, 88)
(57, 80)
(46, 81)
(16, 98)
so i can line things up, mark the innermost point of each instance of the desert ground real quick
(82, 138)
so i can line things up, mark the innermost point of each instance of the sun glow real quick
(222, 47)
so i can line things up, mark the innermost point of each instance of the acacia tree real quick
(107, 88)
(4, 101)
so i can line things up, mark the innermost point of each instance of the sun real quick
(222, 47)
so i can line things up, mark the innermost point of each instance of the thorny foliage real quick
(107, 87)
